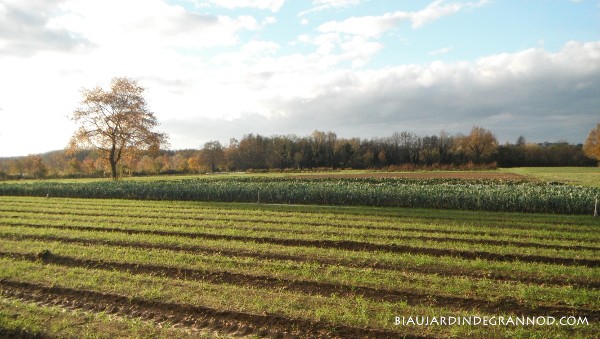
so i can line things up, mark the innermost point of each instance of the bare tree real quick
(116, 122)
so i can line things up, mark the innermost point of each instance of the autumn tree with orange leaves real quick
(116, 122)
(591, 148)
(480, 145)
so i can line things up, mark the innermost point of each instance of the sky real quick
(221, 69)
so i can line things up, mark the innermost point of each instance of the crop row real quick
(27, 319)
(309, 214)
(289, 248)
(307, 315)
(323, 256)
(296, 231)
(393, 228)
(327, 233)
(441, 194)
(198, 212)
(265, 273)
(355, 310)
(343, 270)
(449, 247)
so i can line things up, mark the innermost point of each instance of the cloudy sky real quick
(219, 69)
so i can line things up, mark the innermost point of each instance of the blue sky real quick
(219, 69)
(489, 27)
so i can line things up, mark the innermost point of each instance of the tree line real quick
(320, 150)
(116, 137)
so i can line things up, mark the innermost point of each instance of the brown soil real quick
(21, 334)
(314, 288)
(582, 283)
(359, 246)
(232, 322)
(420, 175)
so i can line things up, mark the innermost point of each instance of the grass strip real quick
(306, 313)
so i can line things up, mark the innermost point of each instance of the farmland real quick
(585, 176)
(512, 195)
(119, 267)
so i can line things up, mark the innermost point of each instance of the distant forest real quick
(320, 150)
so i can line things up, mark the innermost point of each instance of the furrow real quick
(295, 231)
(505, 305)
(349, 245)
(449, 272)
(272, 325)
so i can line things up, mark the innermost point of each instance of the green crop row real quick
(295, 214)
(298, 230)
(268, 235)
(363, 215)
(427, 284)
(355, 311)
(388, 192)
(308, 240)
(284, 260)
(343, 224)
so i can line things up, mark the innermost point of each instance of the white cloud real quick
(25, 28)
(322, 5)
(374, 26)
(437, 10)
(333, 49)
(269, 20)
(272, 5)
(369, 28)
(149, 24)
(561, 89)
(249, 53)
(534, 93)
(138, 26)
(440, 51)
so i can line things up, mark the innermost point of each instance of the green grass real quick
(584, 176)
(265, 268)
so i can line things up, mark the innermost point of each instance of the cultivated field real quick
(586, 176)
(490, 194)
(158, 257)
(73, 267)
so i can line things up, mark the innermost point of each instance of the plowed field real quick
(70, 267)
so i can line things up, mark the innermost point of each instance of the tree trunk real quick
(113, 169)
(113, 163)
